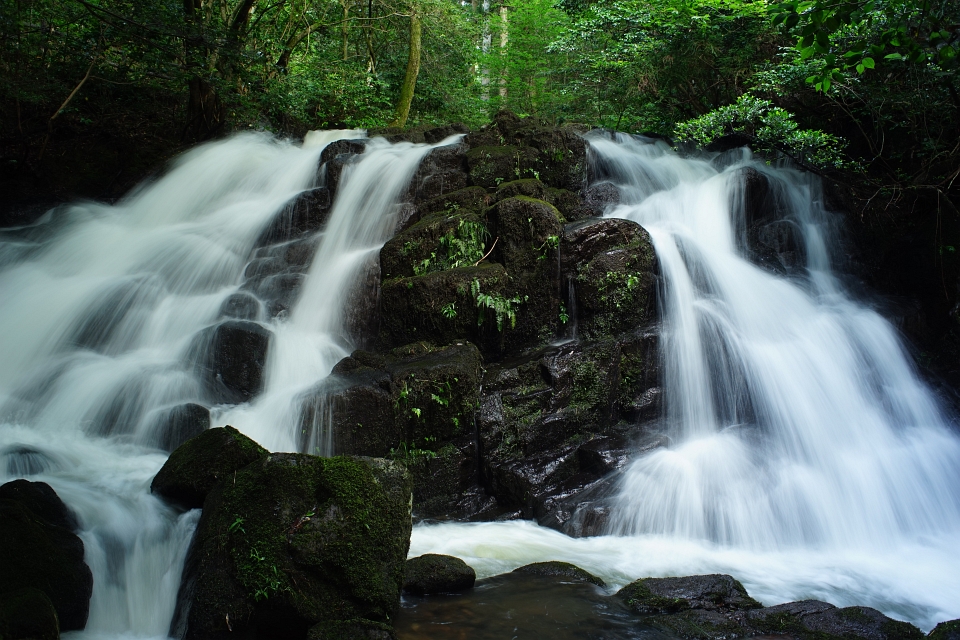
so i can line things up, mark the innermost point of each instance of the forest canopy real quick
(867, 86)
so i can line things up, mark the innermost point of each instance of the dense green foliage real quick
(863, 85)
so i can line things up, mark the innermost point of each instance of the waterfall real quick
(103, 311)
(807, 459)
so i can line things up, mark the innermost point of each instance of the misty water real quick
(807, 458)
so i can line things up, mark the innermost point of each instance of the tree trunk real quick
(410, 78)
(204, 109)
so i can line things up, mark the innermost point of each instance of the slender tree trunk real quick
(343, 28)
(504, 40)
(410, 78)
(204, 108)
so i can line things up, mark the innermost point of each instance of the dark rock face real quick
(195, 468)
(556, 569)
(39, 551)
(434, 573)
(308, 212)
(28, 614)
(442, 171)
(179, 424)
(42, 501)
(232, 362)
(295, 541)
(814, 619)
(715, 592)
(241, 306)
(414, 404)
(334, 158)
(772, 241)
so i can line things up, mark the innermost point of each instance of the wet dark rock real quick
(714, 592)
(335, 157)
(433, 573)
(356, 629)
(729, 142)
(584, 240)
(260, 268)
(41, 553)
(40, 499)
(601, 196)
(859, 622)
(28, 614)
(442, 171)
(231, 361)
(307, 214)
(240, 306)
(604, 454)
(361, 309)
(785, 618)
(489, 165)
(773, 241)
(437, 134)
(295, 541)
(195, 467)
(280, 292)
(179, 424)
(408, 250)
(557, 569)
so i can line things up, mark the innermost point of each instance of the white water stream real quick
(808, 460)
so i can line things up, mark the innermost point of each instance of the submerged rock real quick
(38, 550)
(433, 573)
(180, 423)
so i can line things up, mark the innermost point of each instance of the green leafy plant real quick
(503, 308)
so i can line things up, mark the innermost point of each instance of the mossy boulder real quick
(570, 205)
(435, 573)
(714, 592)
(490, 165)
(293, 542)
(39, 551)
(196, 466)
(441, 171)
(422, 247)
(28, 614)
(557, 569)
(441, 307)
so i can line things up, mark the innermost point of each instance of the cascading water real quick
(102, 307)
(807, 459)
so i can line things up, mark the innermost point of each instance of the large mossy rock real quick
(949, 630)
(557, 569)
(294, 541)
(38, 550)
(434, 573)
(28, 614)
(195, 468)
(814, 620)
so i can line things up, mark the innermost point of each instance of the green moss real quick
(897, 630)
(637, 596)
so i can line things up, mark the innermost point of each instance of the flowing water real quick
(101, 310)
(807, 458)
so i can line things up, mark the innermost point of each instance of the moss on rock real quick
(557, 569)
(294, 541)
(670, 595)
(435, 573)
(196, 466)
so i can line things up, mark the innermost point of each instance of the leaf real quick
(893, 56)
(868, 63)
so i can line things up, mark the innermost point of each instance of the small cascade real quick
(797, 418)
(113, 317)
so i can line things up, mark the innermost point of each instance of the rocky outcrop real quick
(39, 551)
(433, 573)
(287, 543)
(180, 423)
(714, 592)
